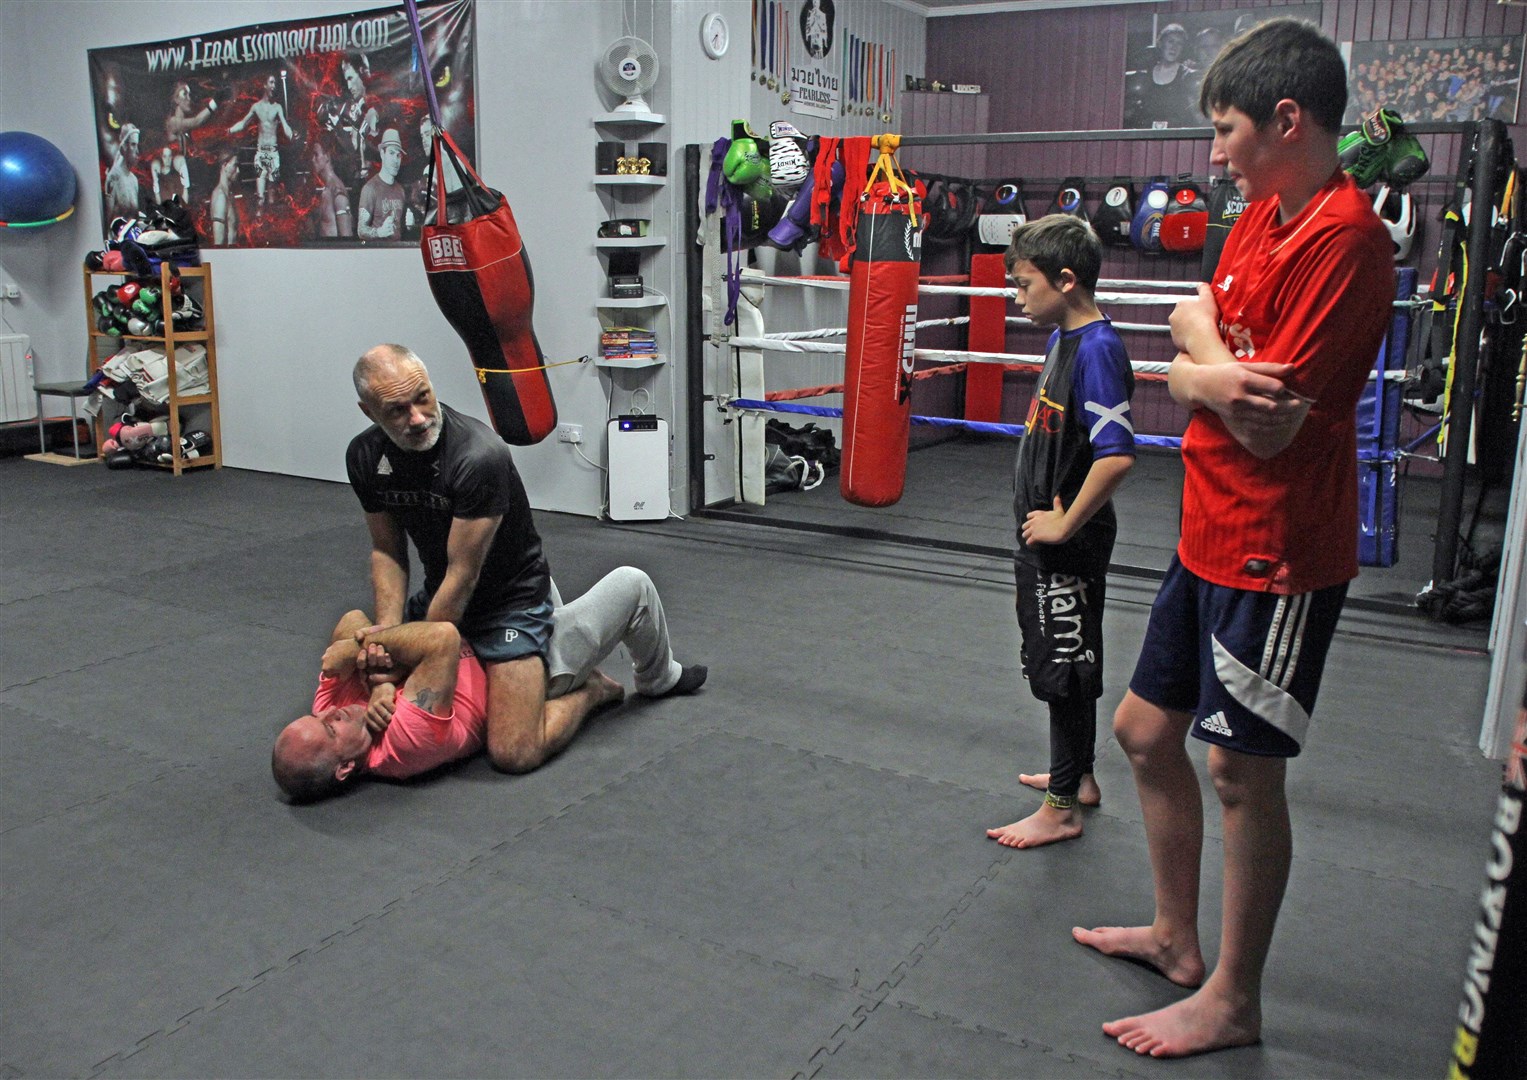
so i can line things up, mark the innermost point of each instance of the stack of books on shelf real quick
(628, 343)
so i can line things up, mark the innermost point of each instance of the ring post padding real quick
(748, 382)
(1378, 436)
(987, 333)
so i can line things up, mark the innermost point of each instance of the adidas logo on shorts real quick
(1215, 722)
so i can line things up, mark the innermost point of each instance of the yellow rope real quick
(484, 372)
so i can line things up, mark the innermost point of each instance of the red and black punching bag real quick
(480, 277)
(882, 318)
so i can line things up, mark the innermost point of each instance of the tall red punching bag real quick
(481, 279)
(882, 318)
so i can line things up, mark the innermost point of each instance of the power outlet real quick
(570, 433)
(10, 291)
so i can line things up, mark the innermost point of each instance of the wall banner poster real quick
(816, 87)
(304, 133)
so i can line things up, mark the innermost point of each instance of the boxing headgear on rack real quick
(1398, 214)
(1145, 228)
(1114, 214)
(1001, 213)
(1185, 220)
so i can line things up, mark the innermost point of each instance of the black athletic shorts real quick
(1060, 617)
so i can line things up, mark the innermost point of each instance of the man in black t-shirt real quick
(429, 474)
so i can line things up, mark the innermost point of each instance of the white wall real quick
(291, 322)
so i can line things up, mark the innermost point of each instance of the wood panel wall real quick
(1063, 70)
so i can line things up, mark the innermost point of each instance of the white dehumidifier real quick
(638, 456)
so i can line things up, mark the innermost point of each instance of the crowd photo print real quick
(307, 133)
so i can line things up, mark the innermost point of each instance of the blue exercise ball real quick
(36, 181)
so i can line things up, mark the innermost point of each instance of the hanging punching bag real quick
(481, 279)
(882, 317)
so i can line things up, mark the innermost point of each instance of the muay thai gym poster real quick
(304, 133)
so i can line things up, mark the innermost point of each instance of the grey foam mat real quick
(502, 980)
(785, 874)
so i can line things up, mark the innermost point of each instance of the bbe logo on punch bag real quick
(1185, 220)
(1115, 213)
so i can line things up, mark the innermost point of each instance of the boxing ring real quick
(757, 375)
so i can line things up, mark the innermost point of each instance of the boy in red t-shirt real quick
(1274, 354)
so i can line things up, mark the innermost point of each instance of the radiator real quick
(17, 402)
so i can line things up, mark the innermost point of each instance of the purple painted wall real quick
(1063, 70)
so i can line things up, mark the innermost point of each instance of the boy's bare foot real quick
(605, 690)
(1195, 1025)
(1183, 965)
(1089, 794)
(1047, 825)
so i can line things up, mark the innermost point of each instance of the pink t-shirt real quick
(417, 741)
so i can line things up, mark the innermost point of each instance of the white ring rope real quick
(956, 320)
(952, 356)
(1122, 298)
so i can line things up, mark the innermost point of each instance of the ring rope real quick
(945, 356)
(1121, 298)
(1014, 430)
(801, 392)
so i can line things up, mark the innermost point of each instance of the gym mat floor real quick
(783, 875)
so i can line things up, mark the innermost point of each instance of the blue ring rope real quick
(1173, 442)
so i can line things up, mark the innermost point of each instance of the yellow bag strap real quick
(886, 169)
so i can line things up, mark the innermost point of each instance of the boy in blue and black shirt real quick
(1077, 448)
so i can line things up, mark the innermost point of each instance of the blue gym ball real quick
(36, 180)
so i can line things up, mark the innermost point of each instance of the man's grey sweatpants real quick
(622, 608)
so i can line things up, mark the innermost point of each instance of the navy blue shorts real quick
(1247, 665)
(498, 636)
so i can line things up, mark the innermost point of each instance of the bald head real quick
(382, 363)
(315, 754)
(304, 761)
(395, 391)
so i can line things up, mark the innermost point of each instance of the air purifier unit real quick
(638, 468)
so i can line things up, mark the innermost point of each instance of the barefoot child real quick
(1078, 445)
(1273, 357)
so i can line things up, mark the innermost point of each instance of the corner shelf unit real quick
(201, 278)
(636, 190)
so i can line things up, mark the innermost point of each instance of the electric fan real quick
(629, 68)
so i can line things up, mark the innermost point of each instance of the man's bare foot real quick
(1089, 794)
(1183, 965)
(605, 690)
(1046, 825)
(1195, 1025)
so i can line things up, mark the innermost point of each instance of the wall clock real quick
(715, 35)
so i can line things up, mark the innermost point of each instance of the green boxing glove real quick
(1381, 149)
(744, 164)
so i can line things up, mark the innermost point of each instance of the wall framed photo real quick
(1165, 57)
(1436, 80)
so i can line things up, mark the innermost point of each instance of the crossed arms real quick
(1258, 409)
